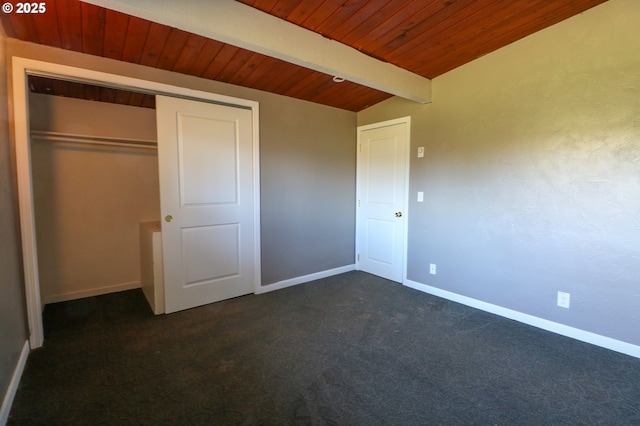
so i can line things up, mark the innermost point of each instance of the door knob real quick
(168, 218)
(398, 214)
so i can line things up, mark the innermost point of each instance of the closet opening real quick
(95, 178)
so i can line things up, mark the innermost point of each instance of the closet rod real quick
(93, 140)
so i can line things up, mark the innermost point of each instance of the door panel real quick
(212, 163)
(381, 211)
(210, 253)
(205, 155)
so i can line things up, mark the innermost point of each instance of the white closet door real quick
(207, 194)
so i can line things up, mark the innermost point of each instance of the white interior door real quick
(382, 198)
(206, 194)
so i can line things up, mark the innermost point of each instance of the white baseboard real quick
(305, 278)
(7, 402)
(564, 330)
(63, 297)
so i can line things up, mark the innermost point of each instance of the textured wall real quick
(13, 330)
(532, 174)
(307, 156)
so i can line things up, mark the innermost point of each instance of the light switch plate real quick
(420, 196)
(420, 151)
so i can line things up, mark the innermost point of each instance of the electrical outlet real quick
(564, 299)
(432, 268)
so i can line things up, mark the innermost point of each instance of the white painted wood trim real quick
(97, 291)
(257, 266)
(7, 401)
(305, 278)
(554, 327)
(392, 122)
(25, 203)
(93, 140)
(20, 68)
(227, 21)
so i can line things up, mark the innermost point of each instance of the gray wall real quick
(307, 156)
(308, 189)
(532, 174)
(13, 331)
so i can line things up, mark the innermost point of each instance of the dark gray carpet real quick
(352, 349)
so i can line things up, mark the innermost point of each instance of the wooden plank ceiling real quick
(426, 37)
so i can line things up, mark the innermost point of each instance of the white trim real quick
(47, 136)
(23, 66)
(73, 295)
(7, 402)
(305, 278)
(554, 327)
(402, 120)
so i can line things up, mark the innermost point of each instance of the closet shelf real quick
(93, 140)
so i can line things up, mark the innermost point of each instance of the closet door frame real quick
(21, 68)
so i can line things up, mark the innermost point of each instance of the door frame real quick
(402, 120)
(21, 68)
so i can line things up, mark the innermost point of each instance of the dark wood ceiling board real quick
(69, 14)
(234, 65)
(293, 77)
(92, 93)
(20, 26)
(265, 66)
(522, 25)
(175, 42)
(154, 45)
(76, 90)
(448, 42)
(37, 84)
(188, 53)
(136, 99)
(115, 34)
(393, 27)
(319, 85)
(47, 27)
(495, 35)
(93, 27)
(62, 88)
(519, 26)
(305, 88)
(386, 15)
(370, 12)
(123, 97)
(440, 25)
(275, 75)
(339, 92)
(108, 95)
(339, 16)
(321, 14)
(303, 11)
(282, 9)
(220, 61)
(202, 61)
(242, 76)
(148, 101)
(7, 25)
(137, 33)
(265, 5)
(354, 97)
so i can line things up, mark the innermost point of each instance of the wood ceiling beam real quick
(240, 25)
